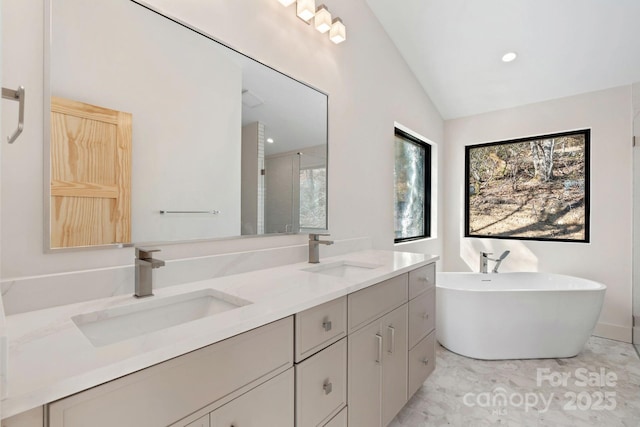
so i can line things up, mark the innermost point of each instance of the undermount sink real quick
(116, 324)
(342, 268)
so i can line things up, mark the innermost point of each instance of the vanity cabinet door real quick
(270, 404)
(365, 349)
(377, 370)
(394, 363)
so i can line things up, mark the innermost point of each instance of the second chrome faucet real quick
(314, 243)
(145, 263)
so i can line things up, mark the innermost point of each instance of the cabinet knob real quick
(326, 325)
(425, 316)
(425, 361)
(327, 387)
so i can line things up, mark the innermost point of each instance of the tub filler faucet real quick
(484, 261)
(145, 263)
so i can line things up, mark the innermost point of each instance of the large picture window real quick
(412, 187)
(534, 188)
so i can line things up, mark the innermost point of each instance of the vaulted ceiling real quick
(564, 47)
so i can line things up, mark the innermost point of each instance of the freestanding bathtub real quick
(516, 315)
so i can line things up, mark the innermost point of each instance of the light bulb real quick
(323, 19)
(306, 9)
(338, 32)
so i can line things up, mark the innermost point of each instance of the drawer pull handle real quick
(326, 325)
(425, 361)
(379, 358)
(392, 341)
(423, 279)
(327, 387)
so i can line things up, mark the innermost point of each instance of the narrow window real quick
(412, 198)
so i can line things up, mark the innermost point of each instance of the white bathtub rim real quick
(591, 285)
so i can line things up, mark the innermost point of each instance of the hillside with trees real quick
(532, 189)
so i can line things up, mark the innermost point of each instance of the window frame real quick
(428, 166)
(313, 168)
(587, 186)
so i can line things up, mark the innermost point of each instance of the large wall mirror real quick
(158, 133)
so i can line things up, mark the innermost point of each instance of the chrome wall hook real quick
(16, 95)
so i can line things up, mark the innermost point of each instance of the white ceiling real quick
(565, 47)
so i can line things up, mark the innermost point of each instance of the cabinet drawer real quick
(321, 385)
(184, 385)
(320, 326)
(371, 303)
(339, 420)
(270, 404)
(422, 361)
(421, 279)
(31, 418)
(422, 318)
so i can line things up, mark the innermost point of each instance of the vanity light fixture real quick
(306, 9)
(322, 19)
(509, 56)
(338, 32)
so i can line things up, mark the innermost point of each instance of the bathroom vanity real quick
(365, 319)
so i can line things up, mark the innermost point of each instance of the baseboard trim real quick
(614, 332)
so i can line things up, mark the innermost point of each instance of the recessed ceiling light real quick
(509, 56)
(270, 140)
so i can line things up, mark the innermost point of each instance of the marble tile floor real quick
(600, 387)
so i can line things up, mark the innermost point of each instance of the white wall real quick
(184, 94)
(369, 88)
(608, 257)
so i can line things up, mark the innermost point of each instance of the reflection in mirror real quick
(223, 145)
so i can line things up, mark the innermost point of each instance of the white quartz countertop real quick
(50, 358)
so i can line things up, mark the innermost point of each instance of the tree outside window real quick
(313, 198)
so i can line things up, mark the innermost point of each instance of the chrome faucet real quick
(145, 263)
(484, 261)
(314, 246)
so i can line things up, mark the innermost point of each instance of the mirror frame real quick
(47, 48)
